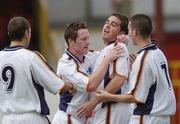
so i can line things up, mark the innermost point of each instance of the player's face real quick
(132, 33)
(81, 45)
(111, 29)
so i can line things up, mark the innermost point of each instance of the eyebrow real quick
(107, 20)
(113, 22)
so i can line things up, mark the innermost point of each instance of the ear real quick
(26, 34)
(135, 32)
(70, 41)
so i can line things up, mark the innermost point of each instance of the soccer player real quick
(76, 66)
(151, 88)
(115, 80)
(23, 76)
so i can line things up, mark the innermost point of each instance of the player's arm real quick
(120, 73)
(141, 82)
(68, 87)
(90, 105)
(69, 71)
(96, 77)
(115, 84)
(104, 96)
(46, 77)
(87, 107)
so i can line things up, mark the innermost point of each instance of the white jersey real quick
(150, 83)
(23, 77)
(116, 113)
(72, 70)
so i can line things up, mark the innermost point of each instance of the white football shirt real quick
(72, 70)
(23, 76)
(120, 66)
(150, 83)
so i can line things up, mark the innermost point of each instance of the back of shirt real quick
(151, 85)
(23, 77)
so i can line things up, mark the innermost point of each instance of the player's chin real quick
(107, 38)
(85, 51)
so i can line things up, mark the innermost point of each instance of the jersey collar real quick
(13, 48)
(150, 46)
(71, 55)
(110, 43)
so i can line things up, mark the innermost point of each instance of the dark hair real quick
(17, 27)
(72, 30)
(143, 24)
(123, 22)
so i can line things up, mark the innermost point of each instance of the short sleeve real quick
(44, 75)
(69, 71)
(121, 64)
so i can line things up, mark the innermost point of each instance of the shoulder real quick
(27, 53)
(146, 58)
(66, 62)
(31, 52)
(122, 45)
(65, 59)
(33, 56)
(36, 54)
(92, 53)
(156, 55)
(114, 44)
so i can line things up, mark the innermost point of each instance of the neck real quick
(74, 52)
(143, 42)
(107, 43)
(16, 43)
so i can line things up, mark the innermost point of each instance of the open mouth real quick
(106, 31)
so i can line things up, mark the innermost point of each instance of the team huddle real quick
(95, 87)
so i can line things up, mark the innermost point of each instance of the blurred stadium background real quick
(48, 19)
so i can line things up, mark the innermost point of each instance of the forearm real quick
(96, 78)
(115, 84)
(122, 98)
(87, 107)
(67, 86)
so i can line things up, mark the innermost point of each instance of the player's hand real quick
(114, 53)
(103, 96)
(73, 89)
(122, 39)
(86, 108)
(132, 58)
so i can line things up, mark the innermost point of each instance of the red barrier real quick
(174, 66)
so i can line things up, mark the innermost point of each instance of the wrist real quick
(97, 100)
(107, 60)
